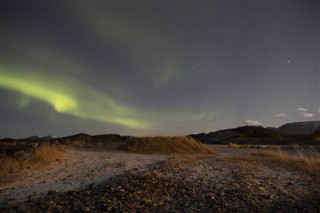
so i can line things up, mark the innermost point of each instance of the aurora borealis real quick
(157, 68)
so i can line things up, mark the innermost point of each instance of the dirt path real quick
(79, 167)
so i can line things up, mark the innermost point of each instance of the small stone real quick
(86, 209)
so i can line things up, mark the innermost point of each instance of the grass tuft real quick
(233, 145)
(305, 159)
(43, 156)
(166, 145)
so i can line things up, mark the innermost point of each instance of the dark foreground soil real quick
(191, 184)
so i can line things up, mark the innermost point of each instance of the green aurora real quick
(157, 68)
(65, 100)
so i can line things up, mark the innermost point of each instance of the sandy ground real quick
(79, 167)
(232, 171)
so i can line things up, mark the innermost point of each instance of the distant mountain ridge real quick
(290, 132)
(287, 134)
(296, 131)
(44, 138)
(299, 128)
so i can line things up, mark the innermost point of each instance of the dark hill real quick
(88, 140)
(223, 136)
(298, 132)
(300, 128)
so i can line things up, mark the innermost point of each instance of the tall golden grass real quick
(44, 156)
(166, 145)
(305, 159)
(233, 145)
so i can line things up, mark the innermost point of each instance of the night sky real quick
(157, 68)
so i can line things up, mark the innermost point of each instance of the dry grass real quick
(233, 145)
(44, 156)
(307, 160)
(81, 144)
(166, 145)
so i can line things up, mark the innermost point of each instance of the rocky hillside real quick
(299, 128)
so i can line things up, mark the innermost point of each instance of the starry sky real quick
(157, 68)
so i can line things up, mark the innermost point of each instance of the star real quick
(240, 44)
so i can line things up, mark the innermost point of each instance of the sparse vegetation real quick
(233, 145)
(43, 156)
(166, 145)
(307, 160)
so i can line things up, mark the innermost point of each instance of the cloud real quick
(282, 115)
(307, 114)
(319, 110)
(250, 122)
(301, 109)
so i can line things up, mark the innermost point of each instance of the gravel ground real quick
(78, 168)
(190, 184)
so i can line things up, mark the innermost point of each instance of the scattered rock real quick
(177, 185)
